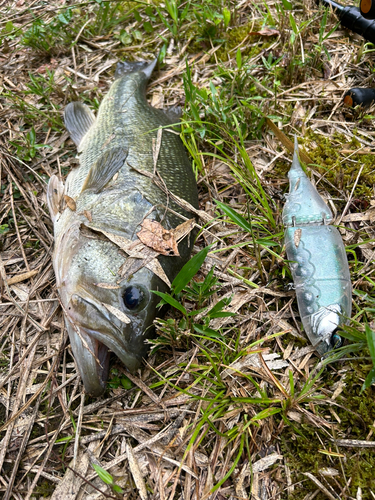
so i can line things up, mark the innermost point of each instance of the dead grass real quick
(238, 417)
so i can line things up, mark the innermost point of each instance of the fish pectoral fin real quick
(105, 167)
(55, 192)
(78, 119)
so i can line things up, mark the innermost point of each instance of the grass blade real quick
(189, 270)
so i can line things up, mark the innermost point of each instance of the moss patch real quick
(356, 413)
(341, 174)
(235, 36)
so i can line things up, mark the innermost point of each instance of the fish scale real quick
(105, 311)
(138, 127)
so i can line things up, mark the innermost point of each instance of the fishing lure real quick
(319, 265)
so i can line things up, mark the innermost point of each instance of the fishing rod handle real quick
(367, 8)
(359, 96)
(351, 18)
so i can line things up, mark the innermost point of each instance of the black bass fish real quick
(105, 289)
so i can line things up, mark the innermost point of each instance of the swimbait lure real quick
(319, 265)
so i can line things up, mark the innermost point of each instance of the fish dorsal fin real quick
(55, 192)
(105, 168)
(78, 119)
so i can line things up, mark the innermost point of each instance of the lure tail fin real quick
(304, 205)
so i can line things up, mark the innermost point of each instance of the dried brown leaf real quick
(136, 473)
(88, 215)
(70, 485)
(297, 237)
(265, 32)
(22, 277)
(120, 241)
(321, 486)
(267, 461)
(155, 266)
(70, 202)
(155, 236)
(107, 286)
(287, 143)
(183, 229)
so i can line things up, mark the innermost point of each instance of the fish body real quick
(319, 265)
(109, 195)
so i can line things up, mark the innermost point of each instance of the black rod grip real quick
(351, 18)
(359, 96)
(367, 8)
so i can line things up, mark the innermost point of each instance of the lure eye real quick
(336, 341)
(134, 298)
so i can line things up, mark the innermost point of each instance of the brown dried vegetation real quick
(245, 413)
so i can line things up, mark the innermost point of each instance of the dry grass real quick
(237, 416)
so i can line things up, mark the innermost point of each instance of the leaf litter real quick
(200, 419)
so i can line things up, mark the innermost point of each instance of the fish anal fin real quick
(78, 119)
(104, 168)
(55, 193)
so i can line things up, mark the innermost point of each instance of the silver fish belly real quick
(319, 265)
(108, 196)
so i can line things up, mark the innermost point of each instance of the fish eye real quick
(134, 298)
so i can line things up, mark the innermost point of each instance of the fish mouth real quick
(93, 332)
(92, 359)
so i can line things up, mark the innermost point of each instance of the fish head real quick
(103, 313)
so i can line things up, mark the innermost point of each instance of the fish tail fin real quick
(127, 67)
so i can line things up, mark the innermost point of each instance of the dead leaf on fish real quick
(120, 241)
(70, 202)
(119, 314)
(155, 266)
(183, 229)
(142, 255)
(88, 215)
(155, 236)
(156, 146)
(109, 139)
